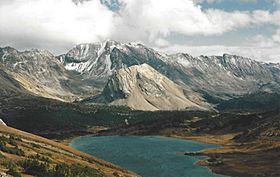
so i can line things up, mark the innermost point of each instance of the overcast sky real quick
(200, 27)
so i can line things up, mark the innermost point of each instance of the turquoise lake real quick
(149, 156)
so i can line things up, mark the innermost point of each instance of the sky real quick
(250, 28)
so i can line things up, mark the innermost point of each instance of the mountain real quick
(40, 73)
(214, 78)
(84, 72)
(142, 87)
(101, 60)
(9, 86)
(226, 76)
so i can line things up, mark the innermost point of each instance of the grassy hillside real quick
(24, 154)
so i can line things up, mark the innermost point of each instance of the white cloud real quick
(276, 36)
(59, 24)
(151, 19)
(258, 47)
(52, 21)
(277, 1)
(161, 42)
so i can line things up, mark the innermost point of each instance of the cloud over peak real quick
(59, 24)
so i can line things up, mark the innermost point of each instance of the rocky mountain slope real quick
(142, 87)
(217, 77)
(40, 73)
(86, 70)
(9, 86)
(37, 71)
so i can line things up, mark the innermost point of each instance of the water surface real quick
(149, 156)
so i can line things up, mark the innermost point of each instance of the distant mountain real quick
(39, 72)
(87, 69)
(214, 78)
(9, 86)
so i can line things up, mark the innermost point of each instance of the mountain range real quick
(133, 75)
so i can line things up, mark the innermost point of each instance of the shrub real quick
(2, 156)
(12, 168)
(12, 140)
(40, 158)
(14, 173)
(35, 167)
(14, 150)
(41, 169)
(76, 170)
(9, 164)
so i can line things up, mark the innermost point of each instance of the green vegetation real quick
(75, 170)
(14, 172)
(38, 168)
(13, 148)
(60, 120)
(35, 167)
(12, 168)
(2, 156)
(41, 158)
(39, 165)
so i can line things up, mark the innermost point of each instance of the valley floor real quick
(247, 151)
(255, 159)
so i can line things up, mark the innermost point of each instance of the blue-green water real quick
(149, 156)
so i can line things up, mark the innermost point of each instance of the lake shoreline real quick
(208, 139)
(169, 140)
(201, 139)
(231, 159)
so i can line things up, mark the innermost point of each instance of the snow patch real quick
(184, 62)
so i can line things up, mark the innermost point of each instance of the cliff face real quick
(142, 87)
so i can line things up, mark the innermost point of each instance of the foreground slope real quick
(28, 154)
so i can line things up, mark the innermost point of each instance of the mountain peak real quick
(8, 49)
(152, 90)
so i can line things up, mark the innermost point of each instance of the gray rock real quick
(2, 122)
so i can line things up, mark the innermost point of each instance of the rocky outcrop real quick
(141, 87)
(2, 122)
